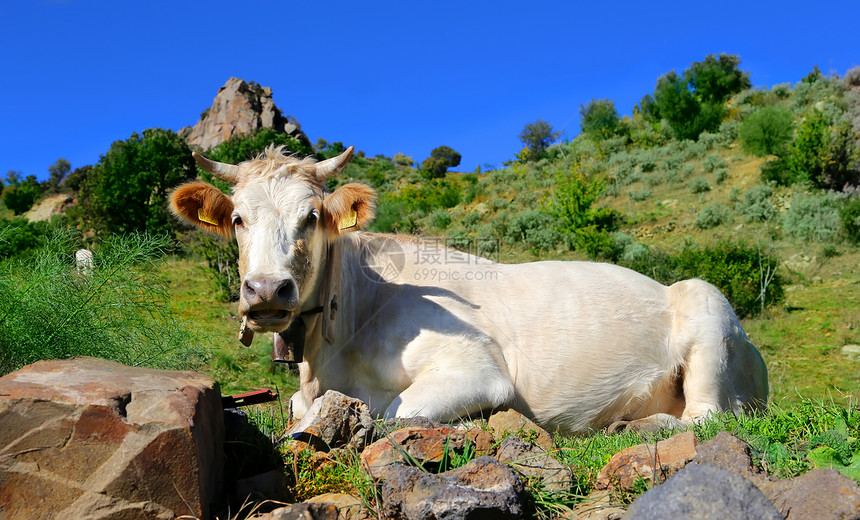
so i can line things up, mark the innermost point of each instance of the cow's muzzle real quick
(269, 303)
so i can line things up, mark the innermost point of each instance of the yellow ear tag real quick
(203, 217)
(349, 220)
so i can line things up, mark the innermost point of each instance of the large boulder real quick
(240, 108)
(335, 420)
(89, 438)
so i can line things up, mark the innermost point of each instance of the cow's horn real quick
(329, 167)
(224, 171)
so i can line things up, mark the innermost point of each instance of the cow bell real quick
(288, 346)
(246, 333)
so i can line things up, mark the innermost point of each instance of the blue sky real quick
(387, 77)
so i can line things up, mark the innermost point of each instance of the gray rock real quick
(335, 420)
(703, 491)
(240, 108)
(483, 488)
(822, 494)
(852, 352)
(534, 462)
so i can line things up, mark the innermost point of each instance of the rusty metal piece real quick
(256, 397)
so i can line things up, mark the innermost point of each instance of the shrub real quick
(811, 217)
(850, 215)
(699, 185)
(119, 312)
(757, 204)
(712, 216)
(712, 162)
(720, 175)
(767, 131)
(639, 195)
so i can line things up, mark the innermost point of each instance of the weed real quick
(812, 217)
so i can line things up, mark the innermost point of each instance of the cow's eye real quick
(237, 220)
(313, 217)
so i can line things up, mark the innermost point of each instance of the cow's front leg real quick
(298, 408)
(450, 398)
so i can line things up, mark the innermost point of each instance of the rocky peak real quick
(240, 108)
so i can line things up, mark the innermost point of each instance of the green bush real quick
(599, 119)
(120, 311)
(20, 237)
(767, 131)
(712, 162)
(712, 216)
(811, 217)
(720, 175)
(850, 215)
(747, 276)
(574, 213)
(757, 204)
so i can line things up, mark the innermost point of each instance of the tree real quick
(693, 102)
(441, 158)
(537, 137)
(599, 119)
(73, 181)
(716, 78)
(127, 190)
(20, 194)
(57, 171)
(767, 131)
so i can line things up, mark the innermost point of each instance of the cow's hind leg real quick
(720, 369)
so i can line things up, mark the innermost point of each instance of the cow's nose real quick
(271, 292)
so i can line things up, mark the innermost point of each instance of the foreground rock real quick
(703, 491)
(648, 462)
(483, 488)
(94, 439)
(533, 462)
(423, 446)
(334, 421)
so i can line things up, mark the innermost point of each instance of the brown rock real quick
(533, 462)
(89, 438)
(240, 108)
(424, 446)
(512, 422)
(646, 461)
(483, 440)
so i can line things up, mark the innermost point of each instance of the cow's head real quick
(283, 217)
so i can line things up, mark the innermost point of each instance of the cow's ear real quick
(350, 208)
(203, 205)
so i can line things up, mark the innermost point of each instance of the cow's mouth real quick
(268, 317)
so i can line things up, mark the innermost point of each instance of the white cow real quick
(574, 345)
